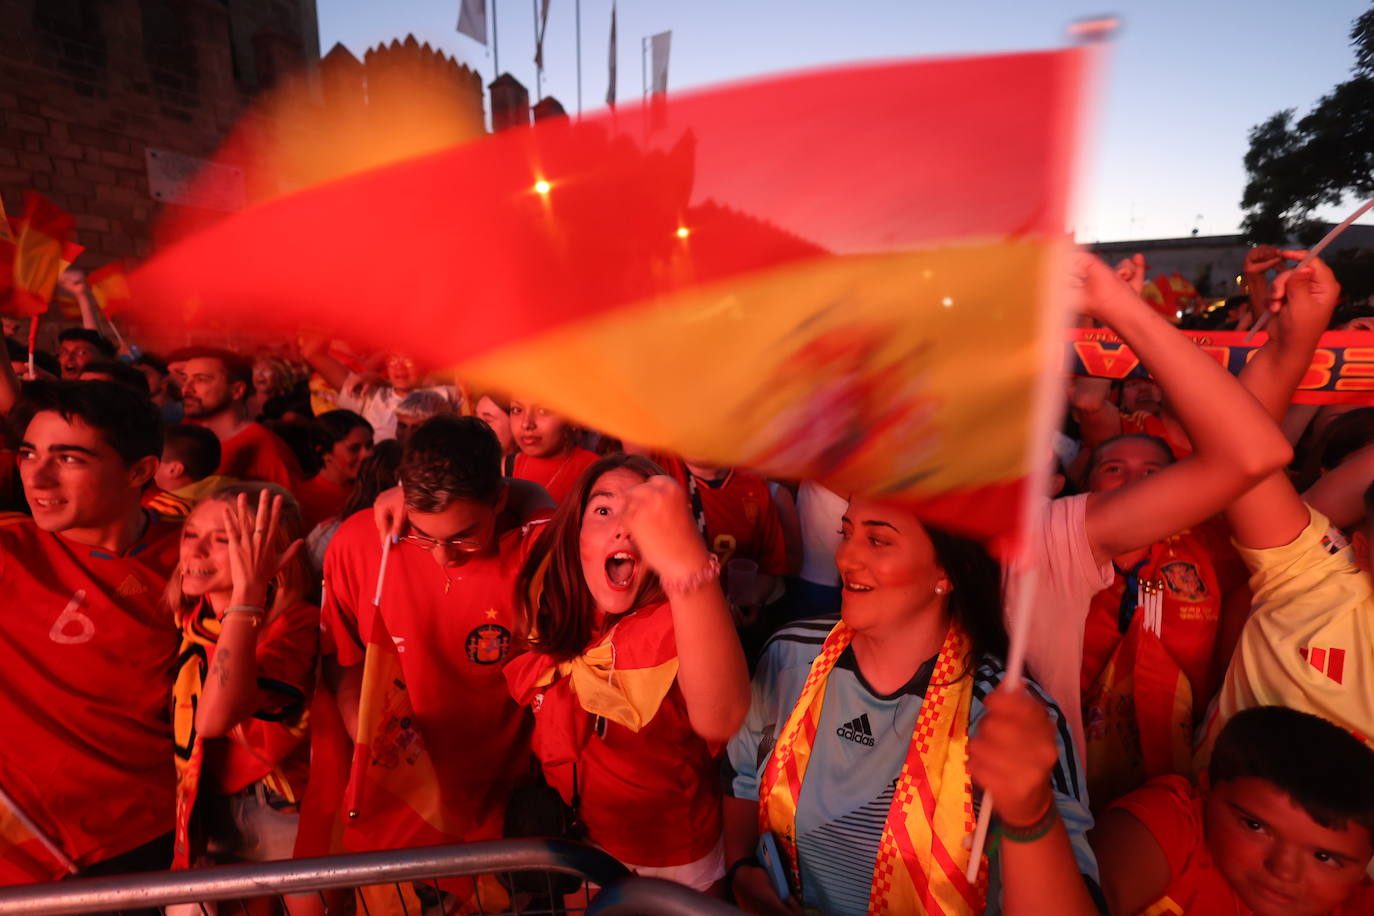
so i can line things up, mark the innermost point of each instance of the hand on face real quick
(253, 558)
(1013, 755)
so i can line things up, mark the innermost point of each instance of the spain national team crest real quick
(1184, 580)
(488, 644)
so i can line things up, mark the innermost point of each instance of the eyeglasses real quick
(462, 545)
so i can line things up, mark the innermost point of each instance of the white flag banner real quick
(659, 47)
(539, 42)
(610, 90)
(472, 19)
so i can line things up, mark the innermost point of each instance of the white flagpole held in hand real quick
(1048, 409)
(381, 573)
(1312, 253)
(1025, 579)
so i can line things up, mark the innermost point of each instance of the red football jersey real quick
(557, 475)
(1172, 810)
(256, 453)
(1195, 569)
(650, 797)
(741, 519)
(87, 649)
(452, 630)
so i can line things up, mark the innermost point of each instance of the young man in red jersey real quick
(446, 604)
(215, 395)
(86, 643)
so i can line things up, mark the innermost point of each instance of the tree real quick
(1296, 166)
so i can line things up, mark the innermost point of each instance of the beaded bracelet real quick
(675, 588)
(253, 613)
(1030, 832)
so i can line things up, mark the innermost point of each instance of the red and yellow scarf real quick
(921, 856)
(199, 633)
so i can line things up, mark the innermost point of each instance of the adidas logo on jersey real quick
(857, 731)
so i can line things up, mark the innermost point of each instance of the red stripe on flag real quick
(520, 262)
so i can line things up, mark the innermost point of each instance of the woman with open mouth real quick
(873, 739)
(635, 674)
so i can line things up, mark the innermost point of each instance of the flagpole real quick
(539, 48)
(579, 59)
(495, 42)
(644, 67)
(44, 840)
(1046, 414)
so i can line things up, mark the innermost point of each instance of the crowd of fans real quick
(759, 688)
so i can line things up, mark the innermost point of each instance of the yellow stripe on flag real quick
(836, 365)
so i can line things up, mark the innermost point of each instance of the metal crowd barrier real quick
(303, 885)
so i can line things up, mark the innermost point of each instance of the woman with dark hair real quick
(634, 672)
(549, 452)
(857, 761)
(343, 439)
(376, 474)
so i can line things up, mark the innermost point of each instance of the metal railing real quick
(300, 884)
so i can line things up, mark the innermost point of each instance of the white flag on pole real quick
(472, 19)
(610, 90)
(660, 45)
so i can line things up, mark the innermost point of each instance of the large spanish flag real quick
(847, 275)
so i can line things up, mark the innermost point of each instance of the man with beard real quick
(215, 396)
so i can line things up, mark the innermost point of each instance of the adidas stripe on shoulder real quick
(812, 631)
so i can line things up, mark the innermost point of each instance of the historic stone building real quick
(107, 106)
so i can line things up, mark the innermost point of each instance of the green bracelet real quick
(1030, 832)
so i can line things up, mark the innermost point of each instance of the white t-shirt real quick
(1066, 581)
(819, 511)
(378, 407)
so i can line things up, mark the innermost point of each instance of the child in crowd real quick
(1282, 827)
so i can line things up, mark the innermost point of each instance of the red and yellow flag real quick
(110, 287)
(393, 798)
(846, 275)
(393, 795)
(1172, 296)
(6, 257)
(43, 248)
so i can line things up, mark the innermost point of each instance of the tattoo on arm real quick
(221, 668)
